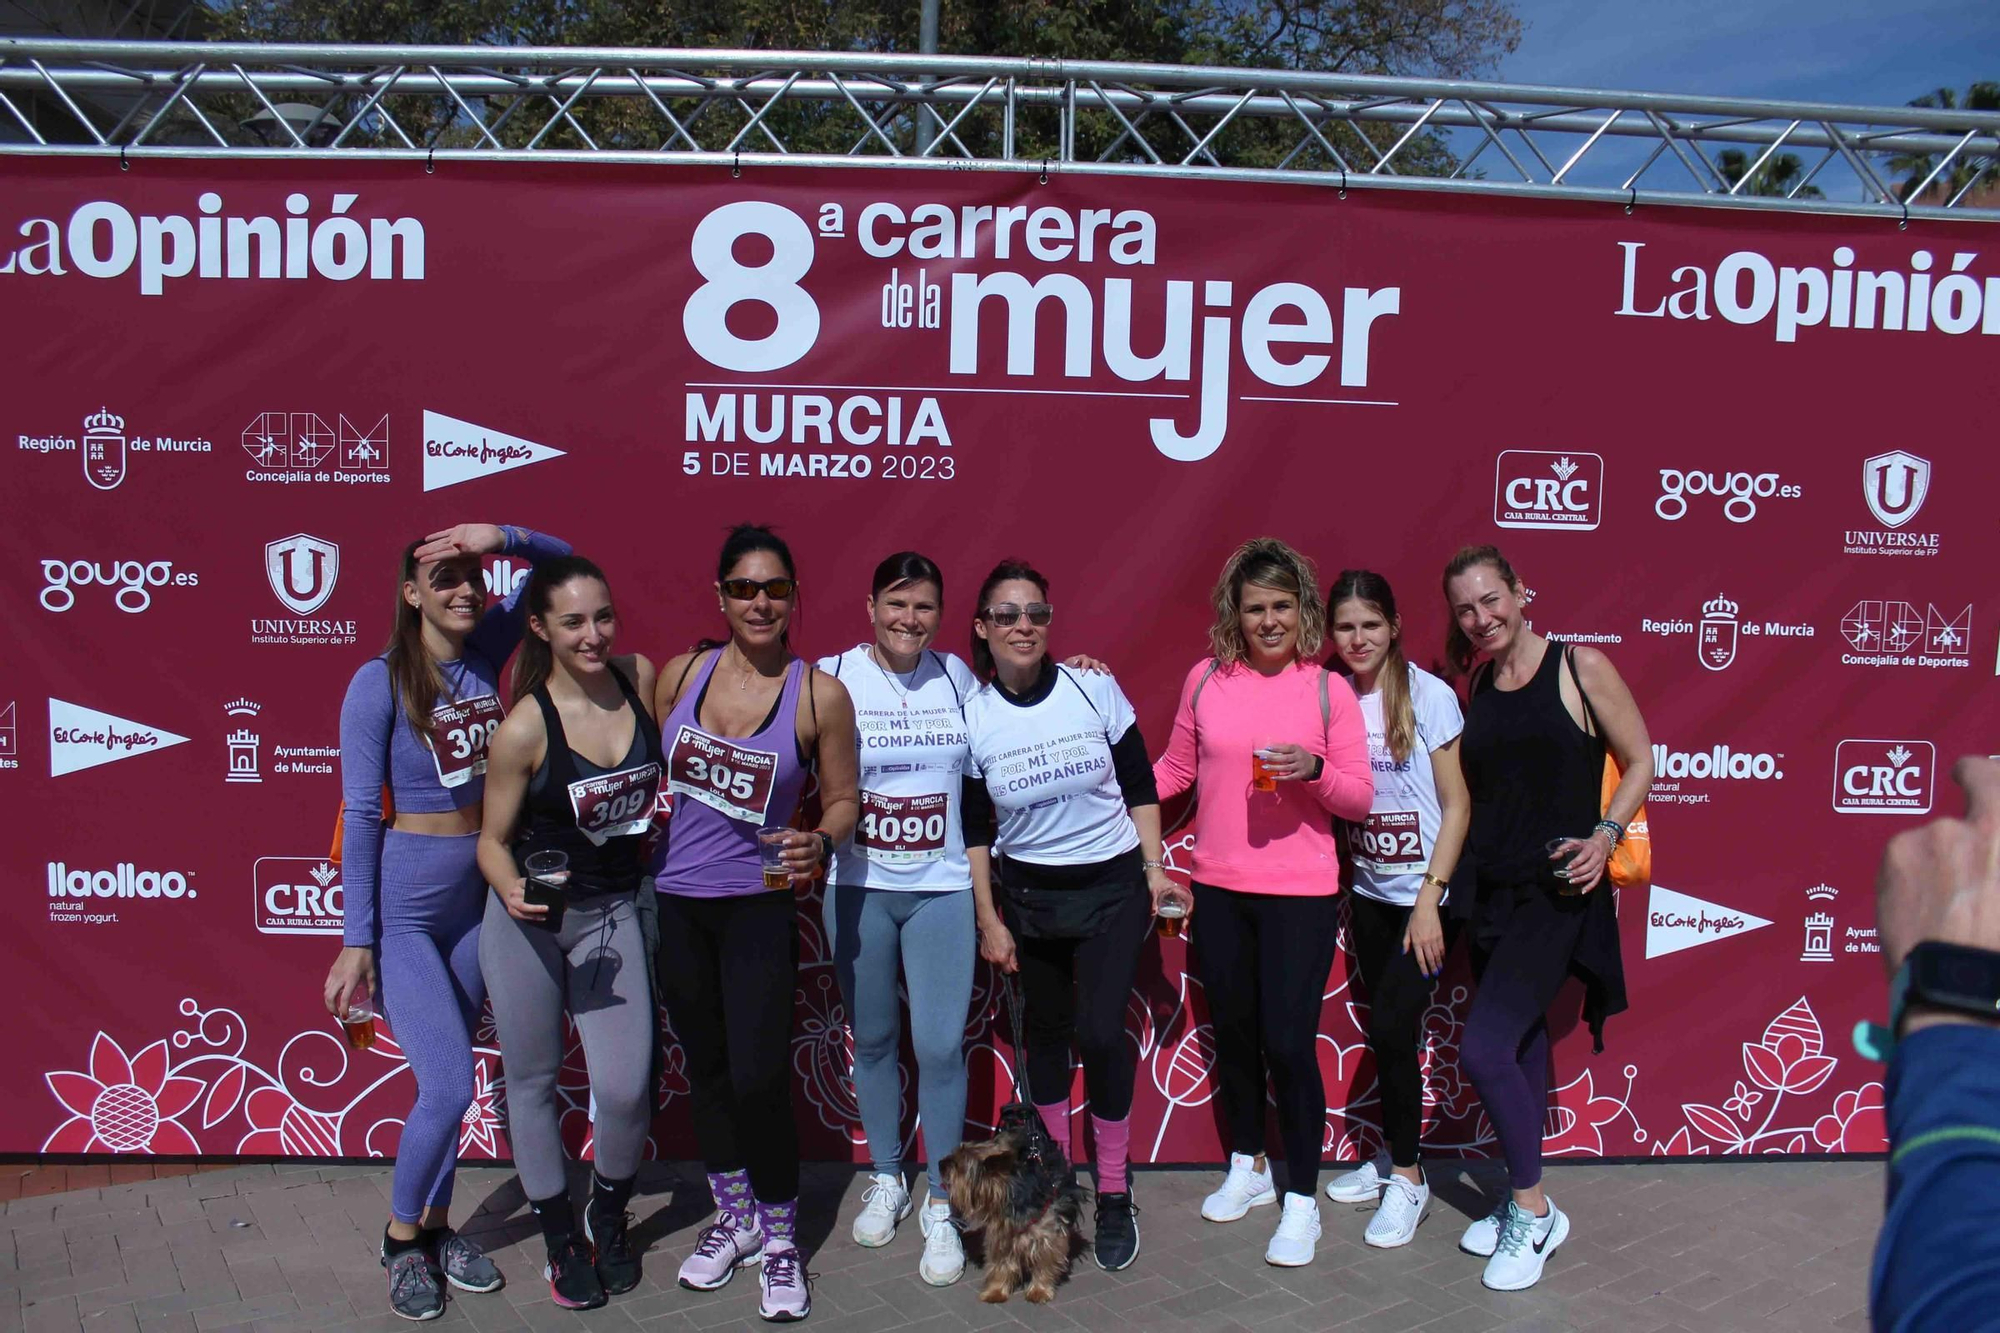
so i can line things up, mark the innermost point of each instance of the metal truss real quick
(759, 109)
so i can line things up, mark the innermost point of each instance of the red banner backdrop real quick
(1741, 454)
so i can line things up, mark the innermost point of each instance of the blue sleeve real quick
(1935, 1264)
(366, 717)
(499, 631)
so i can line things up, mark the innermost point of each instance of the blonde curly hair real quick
(1266, 561)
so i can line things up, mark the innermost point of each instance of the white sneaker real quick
(1298, 1229)
(1525, 1244)
(1361, 1185)
(883, 1205)
(1483, 1236)
(944, 1255)
(1395, 1222)
(1244, 1188)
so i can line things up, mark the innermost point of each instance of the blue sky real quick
(1874, 52)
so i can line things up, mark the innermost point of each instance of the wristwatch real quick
(1953, 977)
(825, 847)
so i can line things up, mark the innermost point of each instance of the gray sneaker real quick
(414, 1292)
(466, 1266)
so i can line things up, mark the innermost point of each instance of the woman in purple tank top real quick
(741, 724)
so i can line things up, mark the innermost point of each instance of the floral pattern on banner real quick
(196, 1087)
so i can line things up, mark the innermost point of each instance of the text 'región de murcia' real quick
(1286, 331)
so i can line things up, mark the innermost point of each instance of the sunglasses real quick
(1006, 613)
(746, 590)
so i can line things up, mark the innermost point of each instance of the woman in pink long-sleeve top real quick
(1274, 753)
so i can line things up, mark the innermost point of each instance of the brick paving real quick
(1702, 1247)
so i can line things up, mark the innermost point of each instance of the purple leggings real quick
(1521, 950)
(433, 899)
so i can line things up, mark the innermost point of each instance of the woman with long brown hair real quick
(415, 725)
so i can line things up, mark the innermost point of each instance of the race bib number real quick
(901, 830)
(1389, 840)
(460, 733)
(615, 805)
(722, 775)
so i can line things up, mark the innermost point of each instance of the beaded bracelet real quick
(1614, 828)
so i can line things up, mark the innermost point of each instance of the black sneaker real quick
(572, 1276)
(617, 1265)
(1117, 1242)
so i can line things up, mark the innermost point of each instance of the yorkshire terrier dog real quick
(1028, 1207)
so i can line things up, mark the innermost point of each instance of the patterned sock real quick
(1056, 1116)
(1112, 1140)
(780, 1221)
(731, 1191)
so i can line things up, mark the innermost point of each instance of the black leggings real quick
(728, 967)
(1076, 990)
(1264, 959)
(1398, 994)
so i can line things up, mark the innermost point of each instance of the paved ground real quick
(1703, 1247)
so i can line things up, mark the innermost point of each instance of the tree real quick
(1447, 38)
(1915, 168)
(1775, 179)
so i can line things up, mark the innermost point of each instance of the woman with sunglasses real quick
(415, 724)
(1275, 755)
(1067, 798)
(742, 723)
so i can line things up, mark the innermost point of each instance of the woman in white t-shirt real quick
(900, 892)
(1067, 782)
(1402, 859)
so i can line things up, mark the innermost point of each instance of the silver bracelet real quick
(1152, 865)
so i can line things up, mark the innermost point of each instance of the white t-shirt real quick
(1048, 768)
(1393, 849)
(910, 730)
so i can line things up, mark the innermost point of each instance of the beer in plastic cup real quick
(771, 844)
(1171, 917)
(359, 1024)
(1261, 776)
(1555, 845)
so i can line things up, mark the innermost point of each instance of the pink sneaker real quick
(723, 1247)
(787, 1290)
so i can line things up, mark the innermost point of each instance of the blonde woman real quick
(1275, 753)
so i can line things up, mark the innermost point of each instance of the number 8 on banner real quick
(774, 283)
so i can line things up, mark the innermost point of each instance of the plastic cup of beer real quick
(771, 844)
(359, 1025)
(1171, 916)
(1554, 847)
(1261, 776)
(547, 875)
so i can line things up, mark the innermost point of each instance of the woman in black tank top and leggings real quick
(1537, 726)
(578, 774)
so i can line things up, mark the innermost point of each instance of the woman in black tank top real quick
(1537, 726)
(577, 774)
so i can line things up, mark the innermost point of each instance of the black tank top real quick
(1532, 772)
(599, 816)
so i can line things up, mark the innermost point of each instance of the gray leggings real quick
(595, 967)
(932, 935)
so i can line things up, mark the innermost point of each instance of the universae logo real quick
(302, 570)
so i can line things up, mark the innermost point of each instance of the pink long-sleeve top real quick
(1266, 842)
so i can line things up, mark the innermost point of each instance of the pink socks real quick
(1113, 1142)
(1055, 1115)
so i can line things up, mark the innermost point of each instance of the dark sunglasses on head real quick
(746, 590)
(1006, 613)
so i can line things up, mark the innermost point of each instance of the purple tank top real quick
(725, 788)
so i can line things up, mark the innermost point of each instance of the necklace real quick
(902, 693)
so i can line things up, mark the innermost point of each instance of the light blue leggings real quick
(932, 934)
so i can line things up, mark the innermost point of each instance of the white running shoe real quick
(883, 1205)
(944, 1254)
(1244, 1188)
(1361, 1185)
(1395, 1222)
(1298, 1230)
(1526, 1242)
(1483, 1236)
